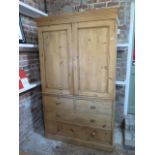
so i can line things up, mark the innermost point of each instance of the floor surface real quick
(39, 145)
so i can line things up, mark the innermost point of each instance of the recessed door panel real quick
(57, 61)
(95, 60)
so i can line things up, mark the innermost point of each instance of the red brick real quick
(112, 4)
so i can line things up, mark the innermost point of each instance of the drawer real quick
(95, 107)
(57, 103)
(50, 126)
(96, 120)
(99, 135)
(84, 119)
(65, 129)
(79, 132)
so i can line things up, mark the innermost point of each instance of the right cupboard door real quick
(94, 58)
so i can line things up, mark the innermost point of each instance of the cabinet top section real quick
(106, 13)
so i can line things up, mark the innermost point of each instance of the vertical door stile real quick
(113, 39)
(41, 55)
(70, 74)
(112, 60)
(75, 57)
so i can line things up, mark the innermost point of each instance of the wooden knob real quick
(93, 133)
(57, 115)
(104, 126)
(71, 130)
(92, 107)
(58, 103)
(92, 120)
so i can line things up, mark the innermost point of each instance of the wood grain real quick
(78, 58)
(56, 59)
(100, 14)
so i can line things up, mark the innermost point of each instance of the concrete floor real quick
(39, 145)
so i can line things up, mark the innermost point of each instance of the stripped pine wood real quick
(78, 58)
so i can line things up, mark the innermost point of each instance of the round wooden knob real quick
(104, 126)
(57, 115)
(93, 133)
(58, 103)
(92, 107)
(71, 130)
(92, 121)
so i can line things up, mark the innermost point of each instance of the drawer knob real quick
(57, 115)
(58, 103)
(92, 107)
(72, 130)
(104, 126)
(92, 121)
(93, 133)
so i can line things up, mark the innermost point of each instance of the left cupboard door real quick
(56, 59)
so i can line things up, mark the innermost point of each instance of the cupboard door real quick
(94, 58)
(56, 58)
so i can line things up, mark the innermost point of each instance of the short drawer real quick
(99, 135)
(94, 107)
(56, 103)
(65, 129)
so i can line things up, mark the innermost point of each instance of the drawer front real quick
(79, 132)
(64, 129)
(84, 119)
(98, 135)
(85, 113)
(95, 107)
(57, 103)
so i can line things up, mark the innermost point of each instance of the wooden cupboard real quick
(77, 57)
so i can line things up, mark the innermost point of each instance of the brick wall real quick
(121, 64)
(30, 107)
(30, 102)
(38, 4)
(30, 29)
(29, 61)
(119, 105)
(30, 111)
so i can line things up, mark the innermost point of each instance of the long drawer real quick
(78, 132)
(84, 119)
